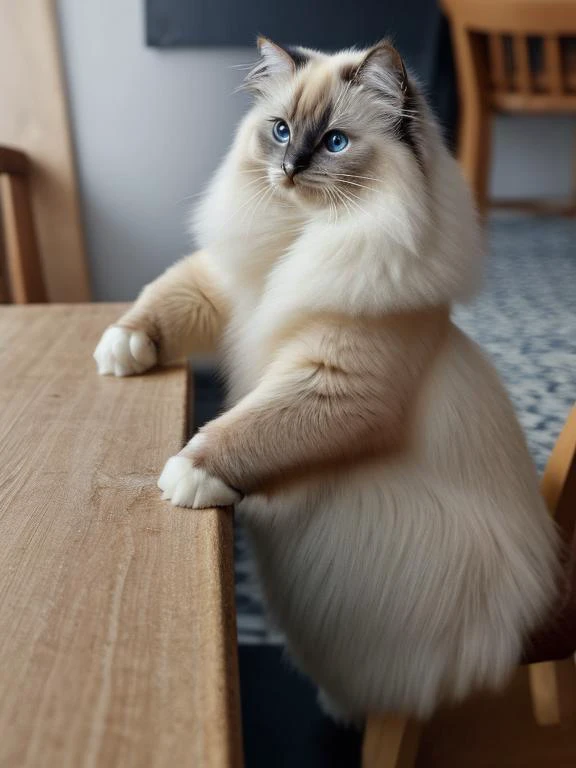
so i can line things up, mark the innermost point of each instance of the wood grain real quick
(34, 118)
(117, 627)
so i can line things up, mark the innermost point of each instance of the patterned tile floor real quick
(525, 318)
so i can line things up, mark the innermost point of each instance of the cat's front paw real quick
(188, 486)
(122, 352)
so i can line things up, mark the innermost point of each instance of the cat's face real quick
(326, 124)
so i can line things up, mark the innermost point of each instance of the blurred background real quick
(152, 106)
(119, 113)
(149, 92)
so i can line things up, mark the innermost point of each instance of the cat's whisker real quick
(349, 196)
(190, 197)
(386, 211)
(329, 195)
(343, 201)
(242, 66)
(248, 216)
(262, 202)
(252, 197)
(356, 184)
(252, 182)
(251, 179)
(357, 176)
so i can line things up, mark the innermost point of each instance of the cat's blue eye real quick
(281, 132)
(335, 141)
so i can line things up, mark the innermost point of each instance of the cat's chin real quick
(304, 195)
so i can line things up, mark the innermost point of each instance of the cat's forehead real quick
(318, 88)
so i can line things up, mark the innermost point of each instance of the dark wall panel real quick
(416, 26)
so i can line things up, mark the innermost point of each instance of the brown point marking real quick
(312, 94)
(348, 72)
(296, 100)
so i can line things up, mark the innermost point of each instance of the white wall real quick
(533, 157)
(150, 126)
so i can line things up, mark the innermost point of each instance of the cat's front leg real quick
(340, 393)
(183, 312)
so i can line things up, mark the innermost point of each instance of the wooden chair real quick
(22, 260)
(392, 741)
(553, 682)
(512, 56)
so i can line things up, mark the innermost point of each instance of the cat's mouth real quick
(303, 187)
(299, 188)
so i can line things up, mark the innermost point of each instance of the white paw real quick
(121, 352)
(188, 486)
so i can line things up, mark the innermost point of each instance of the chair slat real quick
(522, 74)
(553, 64)
(569, 62)
(498, 73)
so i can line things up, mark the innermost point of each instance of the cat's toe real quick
(213, 492)
(188, 486)
(122, 352)
(143, 349)
(184, 495)
(175, 469)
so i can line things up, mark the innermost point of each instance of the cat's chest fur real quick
(250, 260)
(254, 323)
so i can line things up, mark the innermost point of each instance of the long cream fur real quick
(372, 452)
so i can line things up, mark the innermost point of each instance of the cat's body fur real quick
(393, 506)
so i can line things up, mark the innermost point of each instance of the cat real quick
(370, 448)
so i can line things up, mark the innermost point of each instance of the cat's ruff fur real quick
(394, 509)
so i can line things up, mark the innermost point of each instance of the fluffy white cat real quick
(371, 450)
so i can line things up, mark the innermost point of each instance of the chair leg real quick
(390, 741)
(553, 683)
(474, 152)
(475, 122)
(553, 689)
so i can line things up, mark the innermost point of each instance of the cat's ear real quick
(382, 68)
(274, 60)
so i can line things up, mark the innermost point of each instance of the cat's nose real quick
(289, 169)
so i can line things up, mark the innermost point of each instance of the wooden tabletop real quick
(117, 626)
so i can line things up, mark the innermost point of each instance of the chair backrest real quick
(527, 49)
(20, 248)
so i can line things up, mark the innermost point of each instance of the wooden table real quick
(117, 624)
